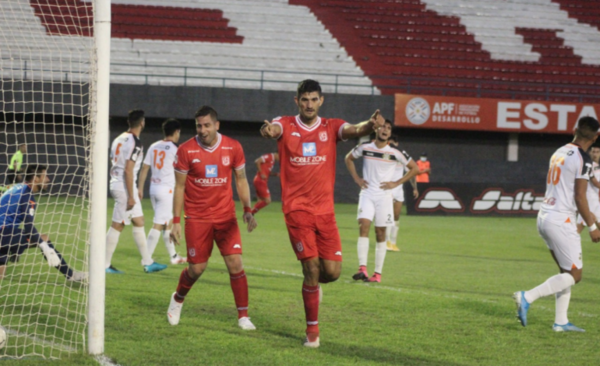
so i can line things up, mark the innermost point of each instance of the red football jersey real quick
(208, 193)
(268, 162)
(307, 160)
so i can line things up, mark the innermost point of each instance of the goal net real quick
(46, 75)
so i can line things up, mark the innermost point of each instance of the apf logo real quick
(211, 171)
(440, 199)
(225, 160)
(309, 149)
(495, 199)
(417, 111)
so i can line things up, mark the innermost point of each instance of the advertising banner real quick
(474, 199)
(481, 114)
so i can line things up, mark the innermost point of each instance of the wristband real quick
(593, 227)
(247, 209)
(177, 220)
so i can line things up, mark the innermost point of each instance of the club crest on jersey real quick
(309, 149)
(211, 171)
(225, 160)
(323, 135)
(386, 156)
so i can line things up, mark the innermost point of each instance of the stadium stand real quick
(534, 49)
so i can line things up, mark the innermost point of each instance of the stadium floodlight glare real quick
(54, 91)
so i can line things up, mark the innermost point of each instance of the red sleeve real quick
(337, 128)
(181, 163)
(267, 158)
(239, 160)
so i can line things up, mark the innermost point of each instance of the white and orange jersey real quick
(379, 165)
(568, 164)
(125, 147)
(401, 167)
(161, 157)
(593, 193)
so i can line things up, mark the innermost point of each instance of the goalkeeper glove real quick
(50, 254)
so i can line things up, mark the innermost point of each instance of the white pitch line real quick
(397, 289)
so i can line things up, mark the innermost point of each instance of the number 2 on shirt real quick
(159, 155)
(554, 171)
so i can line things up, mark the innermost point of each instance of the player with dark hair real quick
(307, 152)
(375, 200)
(203, 169)
(391, 233)
(566, 194)
(18, 206)
(264, 167)
(126, 154)
(160, 158)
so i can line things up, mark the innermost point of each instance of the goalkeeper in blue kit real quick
(17, 206)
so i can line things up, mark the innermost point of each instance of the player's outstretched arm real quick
(243, 191)
(349, 160)
(142, 180)
(270, 130)
(178, 197)
(584, 209)
(363, 128)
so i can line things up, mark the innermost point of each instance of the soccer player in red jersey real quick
(307, 153)
(203, 169)
(265, 165)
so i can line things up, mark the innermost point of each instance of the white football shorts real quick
(379, 207)
(563, 239)
(120, 213)
(398, 193)
(162, 203)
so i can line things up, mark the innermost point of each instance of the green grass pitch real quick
(445, 299)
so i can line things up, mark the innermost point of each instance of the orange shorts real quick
(260, 185)
(200, 237)
(314, 236)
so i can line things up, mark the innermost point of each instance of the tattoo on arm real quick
(241, 173)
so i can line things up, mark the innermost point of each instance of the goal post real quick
(100, 142)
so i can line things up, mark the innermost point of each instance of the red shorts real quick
(200, 236)
(314, 236)
(260, 185)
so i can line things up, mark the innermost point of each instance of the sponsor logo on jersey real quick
(495, 199)
(225, 160)
(237, 246)
(296, 134)
(211, 171)
(192, 252)
(216, 181)
(167, 147)
(299, 246)
(440, 198)
(323, 135)
(195, 161)
(417, 111)
(309, 149)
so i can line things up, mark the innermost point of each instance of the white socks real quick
(394, 232)
(170, 246)
(112, 239)
(139, 236)
(562, 306)
(552, 286)
(380, 250)
(153, 237)
(363, 251)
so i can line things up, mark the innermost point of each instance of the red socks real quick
(184, 286)
(310, 295)
(258, 206)
(239, 286)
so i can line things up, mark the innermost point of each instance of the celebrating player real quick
(264, 165)
(126, 155)
(203, 170)
(375, 201)
(18, 206)
(307, 151)
(160, 157)
(391, 232)
(566, 187)
(593, 191)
